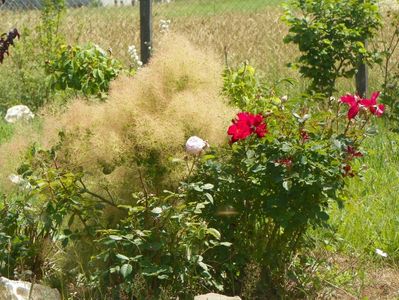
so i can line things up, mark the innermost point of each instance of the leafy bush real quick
(283, 169)
(331, 35)
(88, 69)
(22, 238)
(82, 184)
(244, 89)
(163, 240)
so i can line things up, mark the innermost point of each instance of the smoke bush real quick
(144, 123)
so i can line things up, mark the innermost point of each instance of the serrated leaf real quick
(126, 270)
(121, 256)
(226, 244)
(286, 147)
(207, 186)
(214, 232)
(209, 197)
(115, 237)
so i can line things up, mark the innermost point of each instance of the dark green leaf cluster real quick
(163, 240)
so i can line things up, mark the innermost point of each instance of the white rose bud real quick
(196, 145)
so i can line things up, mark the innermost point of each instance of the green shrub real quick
(87, 69)
(284, 168)
(22, 238)
(82, 183)
(161, 239)
(164, 240)
(246, 91)
(330, 35)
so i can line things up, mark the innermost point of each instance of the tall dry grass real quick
(256, 36)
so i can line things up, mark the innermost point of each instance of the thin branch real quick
(143, 183)
(99, 197)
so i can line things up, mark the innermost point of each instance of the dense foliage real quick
(283, 169)
(88, 69)
(331, 36)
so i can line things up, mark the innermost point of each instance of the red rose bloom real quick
(355, 103)
(246, 124)
(347, 171)
(286, 162)
(304, 136)
(352, 152)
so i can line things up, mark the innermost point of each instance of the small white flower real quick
(20, 181)
(164, 26)
(196, 145)
(284, 98)
(134, 56)
(18, 112)
(381, 253)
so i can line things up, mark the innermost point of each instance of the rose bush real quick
(284, 168)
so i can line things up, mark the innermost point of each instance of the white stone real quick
(196, 145)
(212, 296)
(18, 112)
(20, 290)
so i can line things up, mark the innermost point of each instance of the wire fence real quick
(233, 28)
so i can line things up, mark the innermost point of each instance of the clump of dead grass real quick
(144, 123)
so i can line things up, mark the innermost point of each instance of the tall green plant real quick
(330, 35)
(51, 17)
(22, 77)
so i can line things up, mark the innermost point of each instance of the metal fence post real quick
(362, 73)
(145, 30)
(362, 78)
